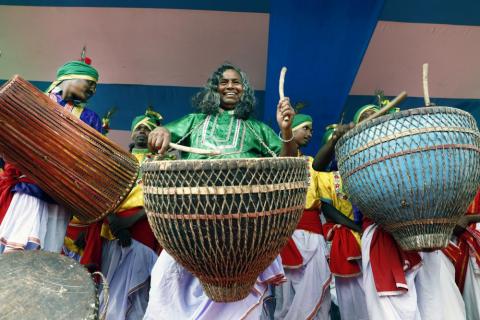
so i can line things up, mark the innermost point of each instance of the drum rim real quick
(196, 164)
(401, 114)
(32, 254)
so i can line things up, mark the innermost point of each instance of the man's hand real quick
(159, 140)
(341, 129)
(285, 114)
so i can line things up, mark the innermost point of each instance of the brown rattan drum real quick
(77, 166)
(225, 220)
(413, 172)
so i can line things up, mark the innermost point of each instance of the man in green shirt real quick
(222, 124)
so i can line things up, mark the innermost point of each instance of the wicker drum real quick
(225, 220)
(77, 166)
(413, 172)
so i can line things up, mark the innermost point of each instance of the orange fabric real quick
(344, 252)
(389, 263)
(310, 221)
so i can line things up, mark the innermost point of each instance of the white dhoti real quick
(31, 223)
(438, 295)
(306, 294)
(471, 290)
(388, 306)
(351, 298)
(176, 294)
(128, 274)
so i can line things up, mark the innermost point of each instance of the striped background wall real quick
(161, 52)
(446, 34)
(145, 56)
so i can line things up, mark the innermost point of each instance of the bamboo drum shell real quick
(225, 220)
(72, 162)
(413, 172)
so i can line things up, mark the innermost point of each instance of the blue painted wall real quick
(322, 44)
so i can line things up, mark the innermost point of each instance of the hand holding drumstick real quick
(285, 112)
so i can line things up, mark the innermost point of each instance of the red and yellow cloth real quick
(310, 221)
(94, 233)
(345, 249)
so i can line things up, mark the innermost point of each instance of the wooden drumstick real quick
(281, 83)
(389, 106)
(194, 150)
(426, 96)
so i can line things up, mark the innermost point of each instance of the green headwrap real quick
(329, 130)
(74, 70)
(301, 120)
(151, 119)
(362, 110)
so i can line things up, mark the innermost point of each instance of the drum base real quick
(423, 234)
(222, 293)
(424, 242)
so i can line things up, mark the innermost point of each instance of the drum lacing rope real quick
(106, 295)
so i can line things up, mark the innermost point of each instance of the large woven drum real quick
(414, 172)
(225, 220)
(77, 166)
(43, 285)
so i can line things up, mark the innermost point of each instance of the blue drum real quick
(413, 172)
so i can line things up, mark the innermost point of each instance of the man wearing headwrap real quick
(340, 228)
(32, 220)
(343, 233)
(130, 248)
(223, 123)
(405, 285)
(306, 293)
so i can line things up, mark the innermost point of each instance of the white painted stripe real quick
(394, 58)
(131, 45)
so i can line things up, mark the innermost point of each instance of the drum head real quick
(45, 285)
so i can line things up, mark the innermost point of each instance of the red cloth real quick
(389, 263)
(92, 253)
(345, 250)
(468, 245)
(310, 221)
(142, 232)
(8, 179)
(474, 207)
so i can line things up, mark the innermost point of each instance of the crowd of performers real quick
(337, 264)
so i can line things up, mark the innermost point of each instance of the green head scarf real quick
(364, 109)
(301, 120)
(151, 119)
(74, 70)
(329, 130)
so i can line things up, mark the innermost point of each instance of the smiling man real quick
(223, 123)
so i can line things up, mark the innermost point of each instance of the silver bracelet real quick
(284, 141)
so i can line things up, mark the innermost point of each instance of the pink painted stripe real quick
(131, 45)
(121, 137)
(394, 58)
